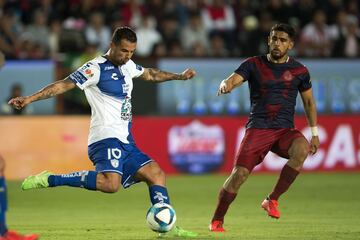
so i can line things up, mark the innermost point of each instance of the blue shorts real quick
(112, 155)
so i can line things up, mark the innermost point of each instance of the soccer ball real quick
(161, 217)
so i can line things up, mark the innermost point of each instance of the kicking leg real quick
(154, 177)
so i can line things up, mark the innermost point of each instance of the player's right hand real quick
(223, 88)
(18, 102)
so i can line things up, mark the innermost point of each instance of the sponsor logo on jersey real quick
(78, 77)
(126, 87)
(108, 68)
(83, 68)
(115, 76)
(126, 114)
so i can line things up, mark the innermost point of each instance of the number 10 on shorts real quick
(114, 153)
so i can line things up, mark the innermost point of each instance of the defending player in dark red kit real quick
(274, 82)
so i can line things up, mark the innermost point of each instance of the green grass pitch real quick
(317, 206)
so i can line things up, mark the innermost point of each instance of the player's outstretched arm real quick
(156, 75)
(311, 115)
(50, 90)
(227, 85)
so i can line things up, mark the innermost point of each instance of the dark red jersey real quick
(273, 90)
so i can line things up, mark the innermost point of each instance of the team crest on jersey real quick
(287, 76)
(114, 163)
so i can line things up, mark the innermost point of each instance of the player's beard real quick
(123, 61)
(278, 55)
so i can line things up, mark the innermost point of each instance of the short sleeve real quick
(305, 81)
(87, 75)
(134, 69)
(244, 69)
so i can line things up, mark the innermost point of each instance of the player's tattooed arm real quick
(50, 90)
(228, 84)
(156, 75)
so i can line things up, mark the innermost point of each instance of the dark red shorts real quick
(258, 142)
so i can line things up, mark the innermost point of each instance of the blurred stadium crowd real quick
(43, 29)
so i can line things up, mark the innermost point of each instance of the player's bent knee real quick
(301, 152)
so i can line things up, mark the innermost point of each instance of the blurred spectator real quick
(16, 91)
(54, 38)
(41, 29)
(256, 41)
(278, 10)
(219, 19)
(304, 11)
(159, 50)
(194, 33)
(29, 49)
(38, 31)
(198, 50)
(242, 9)
(331, 8)
(348, 42)
(316, 40)
(352, 8)
(116, 21)
(153, 6)
(147, 36)
(175, 49)
(339, 27)
(111, 10)
(97, 33)
(10, 29)
(132, 12)
(217, 47)
(169, 30)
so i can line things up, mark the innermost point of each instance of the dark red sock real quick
(225, 199)
(287, 177)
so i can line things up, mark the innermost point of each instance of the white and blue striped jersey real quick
(108, 90)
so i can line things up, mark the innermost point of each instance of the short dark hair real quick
(283, 27)
(123, 33)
